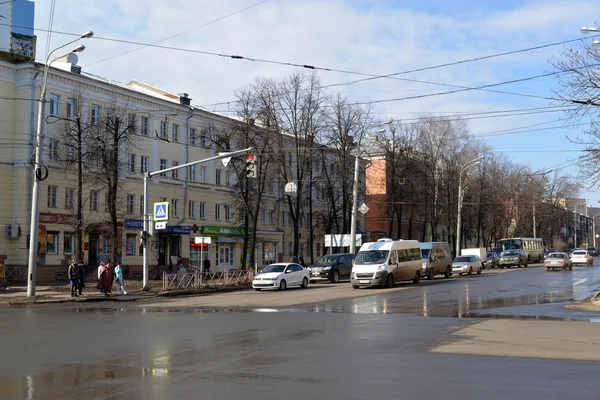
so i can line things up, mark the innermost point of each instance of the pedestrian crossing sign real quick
(161, 211)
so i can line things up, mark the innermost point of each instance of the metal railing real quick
(15, 274)
(197, 279)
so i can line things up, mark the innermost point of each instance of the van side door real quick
(392, 266)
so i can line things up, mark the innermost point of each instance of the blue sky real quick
(377, 37)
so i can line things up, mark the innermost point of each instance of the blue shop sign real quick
(134, 224)
(178, 230)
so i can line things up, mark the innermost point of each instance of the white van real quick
(437, 259)
(385, 262)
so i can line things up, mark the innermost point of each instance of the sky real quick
(355, 36)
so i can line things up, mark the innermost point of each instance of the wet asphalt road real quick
(362, 348)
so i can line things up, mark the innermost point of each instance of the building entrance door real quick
(225, 252)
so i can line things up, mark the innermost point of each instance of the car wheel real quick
(502, 267)
(470, 271)
(448, 273)
(257, 289)
(336, 277)
(355, 286)
(417, 277)
(389, 282)
(480, 269)
(282, 285)
(526, 264)
(519, 264)
(431, 274)
(304, 283)
(460, 273)
(570, 267)
(547, 268)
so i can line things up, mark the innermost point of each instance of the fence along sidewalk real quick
(197, 280)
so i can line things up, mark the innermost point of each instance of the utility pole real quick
(467, 165)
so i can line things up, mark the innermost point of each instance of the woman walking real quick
(105, 284)
(119, 279)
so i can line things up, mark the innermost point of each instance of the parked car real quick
(517, 258)
(493, 260)
(581, 257)
(332, 267)
(437, 259)
(281, 276)
(467, 265)
(558, 260)
(592, 251)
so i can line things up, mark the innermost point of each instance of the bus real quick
(534, 247)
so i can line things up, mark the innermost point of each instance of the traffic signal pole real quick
(147, 175)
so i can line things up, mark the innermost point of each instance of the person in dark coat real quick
(81, 285)
(106, 279)
(73, 278)
(206, 265)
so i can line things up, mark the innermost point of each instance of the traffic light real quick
(251, 166)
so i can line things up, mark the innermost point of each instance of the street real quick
(503, 334)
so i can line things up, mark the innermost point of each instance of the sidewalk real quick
(55, 292)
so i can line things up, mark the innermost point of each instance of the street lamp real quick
(543, 174)
(37, 174)
(354, 199)
(467, 165)
(591, 29)
(594, 226)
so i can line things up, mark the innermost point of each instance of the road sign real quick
(363, 208)
(225, 160)
(202, 240)
(160, 226)
(161, 211)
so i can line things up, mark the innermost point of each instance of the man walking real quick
(81, 271)
(74, 278)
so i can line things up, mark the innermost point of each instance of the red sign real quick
(47, 218)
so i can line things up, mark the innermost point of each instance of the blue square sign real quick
(161, 211)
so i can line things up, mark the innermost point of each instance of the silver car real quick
(466, 265)
(509, 258)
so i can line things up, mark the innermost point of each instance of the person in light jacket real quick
(119, 279)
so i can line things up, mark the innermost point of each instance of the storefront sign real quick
(222, 230)
(134, 224)
(178, 230)
(47, 218)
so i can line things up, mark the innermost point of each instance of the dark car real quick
(592, 251)
(332, 267)
(493, 260)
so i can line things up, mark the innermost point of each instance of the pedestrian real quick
(206, 265)
(81, 278)
(100, 267)
(119, 279)
(302, 261)
(73, 278)
(105, 283)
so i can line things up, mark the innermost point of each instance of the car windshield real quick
(274, 268)
(462, 259)
(425, 253)
(327, 259)
(556, 255)
(491, 255)
(510, 253)
(372, 256)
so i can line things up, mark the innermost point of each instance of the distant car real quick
(517, 258)
(281, 276)
(466, 265)
(592, 251)
(581, 257)
(493, 260)
(558, 260)
(332, 267)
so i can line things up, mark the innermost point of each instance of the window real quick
(203, 174)
(53, 149)
(163, 130)
(202, 210)
(110, 117)
(142, 205)
(94, 199)
(130, 204)
(106, 201)
(227, 213)
(290, 248)
(192, 136)
(175, 207)
(218, 177)
(68, 243)
(192, 173)
(52, 243)
(242, 214)
(69, 198)
(70, 153)
(71, 108)
(227, 178)
(175, 172)
(52, 196)
(271, 217)
(132, 122)
(54, 104)
(264, 216)
(175, 133)
(290, 159)
(218, 212)
(271, 187)
(203, 137)
(144, 164)
(95, 114)
(192, 209)
(130, 240)
(163, 165)
(131, 162)
(283, 218)
(145, 123)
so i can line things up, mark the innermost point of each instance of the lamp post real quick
(543, 174)
(575, 220)
(594, 226)
(37, 174)
(467, 165)
(354, 200)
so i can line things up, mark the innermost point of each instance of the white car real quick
(581, 257)
(466, 265)
(281, 276)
